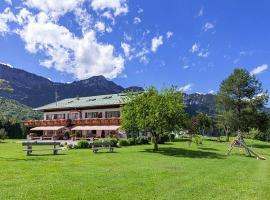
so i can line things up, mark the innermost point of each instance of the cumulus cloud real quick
(186, 88)
(259, 69)
(156, 42)
(6, 17)
(100, 26)
(115, 7)
(169, 34)
(208, 26)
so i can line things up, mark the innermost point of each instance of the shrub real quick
(83, 144)
(198, 139)
(132, 141)
(70, 146)
(142, 140)
(113, 141)
(163, 139)
(123, 142)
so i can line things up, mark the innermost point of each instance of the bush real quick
(123, 142)
(83, 144)
(132, 141)
(142, 140)
(113, 141)
(198, 139)
(257, 135)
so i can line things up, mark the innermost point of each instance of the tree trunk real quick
(155, 137)
(227, 136)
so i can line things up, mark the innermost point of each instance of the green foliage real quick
(204, 122)
(132, 141)
(123, 142)
(241, 95)
(142, 140)
(153, 111)
(198, 139)
(13, 109)
(83, 144)
(3, 134)
(258, 135)
(4, 86)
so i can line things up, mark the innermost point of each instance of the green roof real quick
(83, 102)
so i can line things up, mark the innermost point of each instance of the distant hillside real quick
(197, 103)
(35, 91)
(14, 109)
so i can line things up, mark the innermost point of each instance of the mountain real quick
(196, 103)
(13, 109)
(34, 91)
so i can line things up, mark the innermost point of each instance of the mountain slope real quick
(14, 109)
(35, 91)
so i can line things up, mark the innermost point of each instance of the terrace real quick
(75, 122)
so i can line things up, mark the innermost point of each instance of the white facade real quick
(106, 113)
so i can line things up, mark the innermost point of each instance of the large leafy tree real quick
(204, 122)
(240, 100)
(157, 112)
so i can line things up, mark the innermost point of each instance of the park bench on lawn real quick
(30, 144)
(96, 146)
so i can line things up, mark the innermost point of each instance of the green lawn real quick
(176, 172)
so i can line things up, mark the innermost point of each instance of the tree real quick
(240, 99)
(204, 122)
(226, 123)
(4, 86)
(152, 111)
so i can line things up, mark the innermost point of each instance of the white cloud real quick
(117, 6)
(195, 48)
(137, 20)
(186, 88)
(126, 49)
(8, 2)
(156, 42)
(54, 8)
(186, 67)
(211, 92)
(259, 69)
(169, 34)
(140, 10)
(6, 17)
(208, 26)
(100, 26)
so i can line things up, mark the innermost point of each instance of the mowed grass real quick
(176, 172)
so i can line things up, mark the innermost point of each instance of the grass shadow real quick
(105, 152)
(208, 149)
(187, 153)
(260, 146)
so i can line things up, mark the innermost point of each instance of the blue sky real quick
(190, 44)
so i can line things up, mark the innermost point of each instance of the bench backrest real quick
(39, 143)
(101, 144)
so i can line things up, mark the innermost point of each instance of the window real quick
(91, 115)
(111, 114)
(75, 115)
(49, 117)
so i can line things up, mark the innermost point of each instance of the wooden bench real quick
(30, 144)
(96, 146)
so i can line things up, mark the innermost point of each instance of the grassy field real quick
(176, 172)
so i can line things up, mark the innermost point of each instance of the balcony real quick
(76, 122)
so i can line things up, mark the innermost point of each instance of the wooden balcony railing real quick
(76, 122)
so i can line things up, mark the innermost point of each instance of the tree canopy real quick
(240, 100)
(157, 112)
